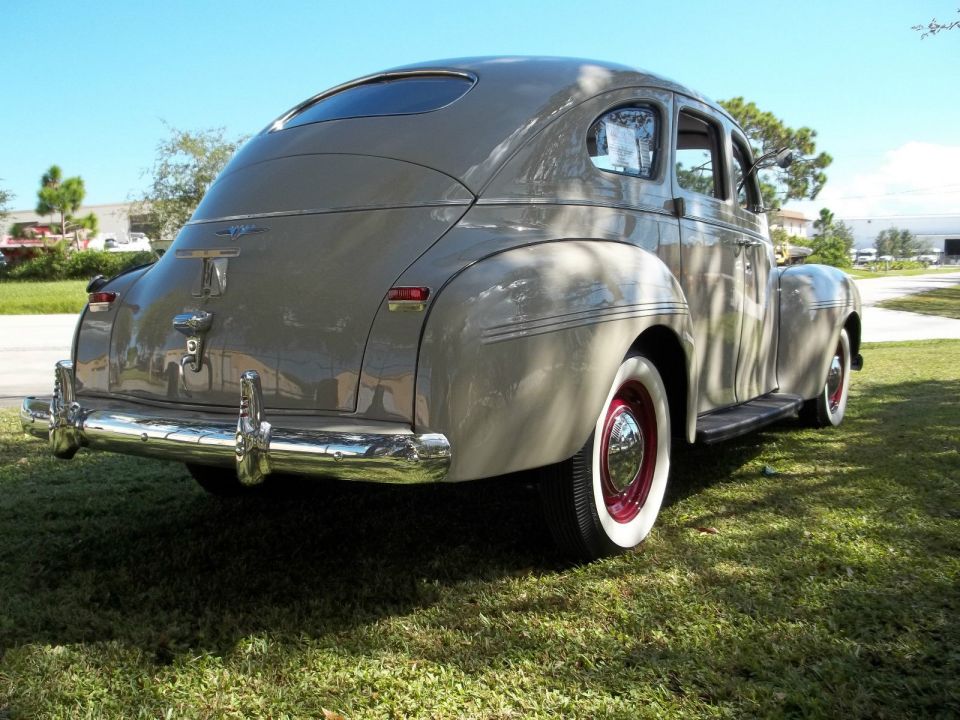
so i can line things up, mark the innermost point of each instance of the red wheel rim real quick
(628, 451)
(833, 398)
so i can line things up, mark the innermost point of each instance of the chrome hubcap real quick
(835, 379)
(625, 450)
(834, 376)
(628, 451)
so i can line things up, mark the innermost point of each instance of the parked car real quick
(465, 269)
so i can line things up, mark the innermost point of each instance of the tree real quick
(63, 197)
(5, 197)
(832, 241)
(89, 224)
(186, 164)
(933, 27)
(805, 178)
(900, 243)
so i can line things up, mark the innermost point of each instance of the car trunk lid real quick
(287, 265)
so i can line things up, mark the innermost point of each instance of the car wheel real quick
(219, 481)
(828, 408)
(605, 499)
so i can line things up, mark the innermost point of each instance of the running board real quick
(740, 419)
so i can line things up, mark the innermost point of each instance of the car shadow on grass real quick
(111, 548)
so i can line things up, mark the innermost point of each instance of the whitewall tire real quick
(607, 497)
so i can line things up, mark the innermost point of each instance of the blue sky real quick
(90, 88)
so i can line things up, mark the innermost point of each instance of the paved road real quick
(881, 325)
(31, 344)
(29, 347)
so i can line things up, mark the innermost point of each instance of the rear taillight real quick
(100, 301)
(407, 298)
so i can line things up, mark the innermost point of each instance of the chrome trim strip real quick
(576, 203)
(725, 225)
(404, 458)
(330, 211)
(826, 304)
(543, 325)
(188, 253)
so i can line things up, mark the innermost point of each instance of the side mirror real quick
(784, 158)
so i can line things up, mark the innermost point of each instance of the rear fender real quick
(520, 349)
(91, 347)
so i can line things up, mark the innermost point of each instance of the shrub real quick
(896, 265)
(86, 264)
(49, 264)
(55, 263)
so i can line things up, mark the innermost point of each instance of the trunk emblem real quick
(237, 231)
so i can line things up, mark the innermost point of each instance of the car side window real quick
(748, 194)
(699, 167)
(625, 141)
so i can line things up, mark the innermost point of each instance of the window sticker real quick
(622, 147)
(625, 141)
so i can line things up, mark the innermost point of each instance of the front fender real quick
(816, 302)
(520, 349)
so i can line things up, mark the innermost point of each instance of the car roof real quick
(512, 100)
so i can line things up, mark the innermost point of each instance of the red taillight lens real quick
(407, 299)
(99, 301)
(408, 294)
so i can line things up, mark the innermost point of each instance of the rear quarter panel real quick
(519, 350)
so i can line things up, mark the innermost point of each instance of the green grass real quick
(940, 301)
(828, 590)
(40, 298)
(867, 274)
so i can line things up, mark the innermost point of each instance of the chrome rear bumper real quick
(252, 444)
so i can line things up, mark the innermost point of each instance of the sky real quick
(94, 87)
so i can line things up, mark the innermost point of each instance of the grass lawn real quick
(40, 298)
(829, 589)
(941, 301)
(867, 274)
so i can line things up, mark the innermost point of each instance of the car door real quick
(756, 370)
(712, 259)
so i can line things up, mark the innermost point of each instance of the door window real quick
(699, 167)
(748, 192)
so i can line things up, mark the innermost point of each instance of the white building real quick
(116, 221)
(942, 232)
(795, 223)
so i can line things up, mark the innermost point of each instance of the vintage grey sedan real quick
(464, 269)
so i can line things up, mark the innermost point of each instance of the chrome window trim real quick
(329, 211)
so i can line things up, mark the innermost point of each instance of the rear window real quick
(403, 95)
